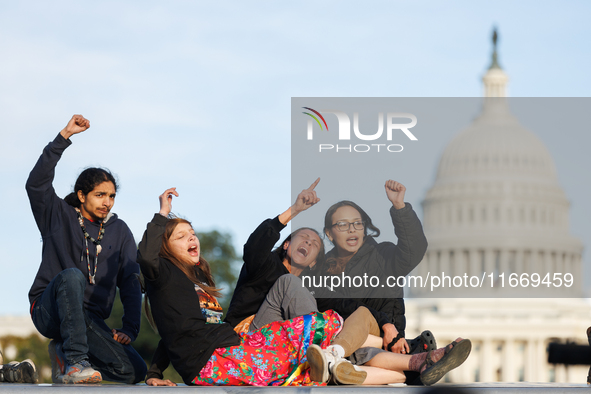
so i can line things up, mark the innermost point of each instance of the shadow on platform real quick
(489, 388)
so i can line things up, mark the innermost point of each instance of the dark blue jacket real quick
(64, 246)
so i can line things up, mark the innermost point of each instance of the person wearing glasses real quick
(357, 253)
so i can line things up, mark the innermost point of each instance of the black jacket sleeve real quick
(160, 362)
(412, 243)
(399, 318)
(130, 290)
(260, 244)
(149, 247)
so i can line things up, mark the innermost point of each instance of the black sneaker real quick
(23, 372)
(423, 343)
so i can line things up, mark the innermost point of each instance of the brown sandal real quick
(455, 354)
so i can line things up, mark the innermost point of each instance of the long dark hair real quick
(281, 253)
(364, 217)
(87, 181)
(189, 271)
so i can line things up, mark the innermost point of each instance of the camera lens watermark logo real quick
(344, 133)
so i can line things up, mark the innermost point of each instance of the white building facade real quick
(496, 206)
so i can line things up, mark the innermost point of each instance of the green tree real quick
(219, 252)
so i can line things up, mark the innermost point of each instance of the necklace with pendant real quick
(97, 242)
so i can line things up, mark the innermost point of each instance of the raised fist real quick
(76, 125)
(395, 192)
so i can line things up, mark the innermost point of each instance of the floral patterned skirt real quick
(275, 355)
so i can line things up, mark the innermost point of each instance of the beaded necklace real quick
(97, 242)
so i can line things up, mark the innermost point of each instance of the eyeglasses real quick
(345, 226)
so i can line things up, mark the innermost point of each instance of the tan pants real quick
(357, 327)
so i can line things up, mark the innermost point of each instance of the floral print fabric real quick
(275, 355)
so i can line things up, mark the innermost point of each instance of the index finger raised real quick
(313, 185)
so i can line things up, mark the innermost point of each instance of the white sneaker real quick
(82, 372)
(324, 363)
(318, 364)
(341, 369)
(343, 372)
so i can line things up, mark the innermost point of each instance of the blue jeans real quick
(59, 314)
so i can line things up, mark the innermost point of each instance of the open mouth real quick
(303, 251)
(352, 241)
(193, 250)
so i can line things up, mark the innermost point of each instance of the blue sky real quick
(197, 95)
